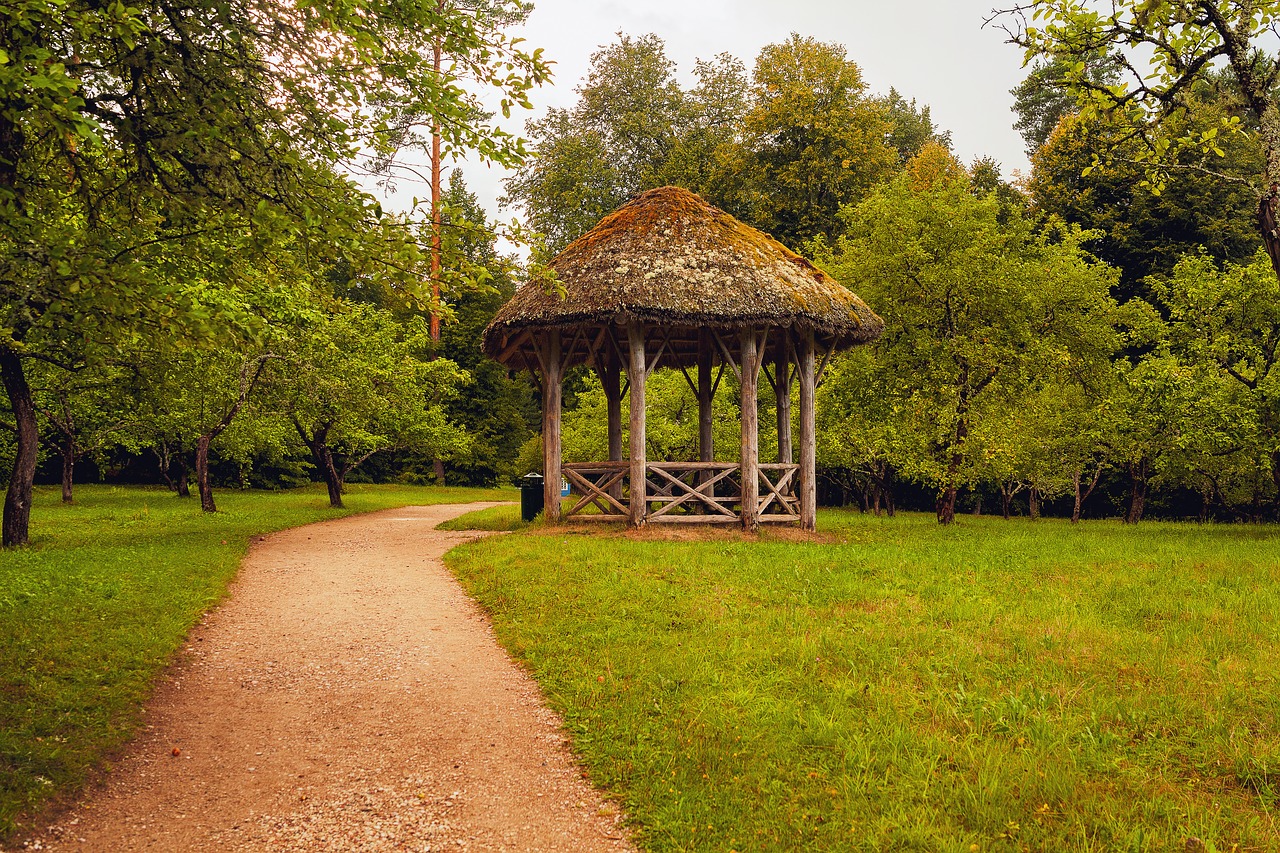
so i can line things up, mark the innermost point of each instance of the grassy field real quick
(100, 601)
(992, 686)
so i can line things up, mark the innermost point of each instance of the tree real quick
(87, 410)
(1163, 50)
(974, 308)
(1141, 231)
(1226, 321)
(813, 140)
(1043, 99)
(128, 133)
(495, 408)
(355, 382)
(612, 145)
(912, 126)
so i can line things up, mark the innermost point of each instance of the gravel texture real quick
(348, 695)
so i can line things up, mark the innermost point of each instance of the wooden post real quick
(782, 383)
(635, 375)
(551, 391)
(611, 382)
(706, 431)
(750, 432)
(808, 436)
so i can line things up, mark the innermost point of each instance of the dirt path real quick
(347, 696)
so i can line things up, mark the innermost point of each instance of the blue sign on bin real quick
(564, 488)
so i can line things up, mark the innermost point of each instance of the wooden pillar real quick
(636, 376)
(808, 436)
(706, 422)
(750, 431)
(552, 369)
(610, 380)
(782, 383)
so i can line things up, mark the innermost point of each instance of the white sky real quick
(935, 51)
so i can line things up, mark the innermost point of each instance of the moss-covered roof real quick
(668, 256)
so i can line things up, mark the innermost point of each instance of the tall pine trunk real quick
(17, 500)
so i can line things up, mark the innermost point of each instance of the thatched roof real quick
(667, 256)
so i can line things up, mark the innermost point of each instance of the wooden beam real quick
(726, 353)
(610, 380)
(635, 377)
(706, 395)
(750, 431)
(552, 367)
(782, 387)
(808, 435)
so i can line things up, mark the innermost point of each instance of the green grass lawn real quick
(991, 686)
(97, 605)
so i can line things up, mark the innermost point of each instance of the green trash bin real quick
(531, 496)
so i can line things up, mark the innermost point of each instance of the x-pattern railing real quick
(707, 491)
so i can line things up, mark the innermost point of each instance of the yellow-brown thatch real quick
(668, 256)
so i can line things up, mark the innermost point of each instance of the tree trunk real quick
(202, 475)
(1006, 502)
(162, 457)
(946, 505)
(977, 505)
(17, 501)
(1137, 492)
(1275, 471)
(68, 466)
(184, 478)
(1033, 503)
(437, 466)
(1075, 509)
(1267, 227)
(323, 456)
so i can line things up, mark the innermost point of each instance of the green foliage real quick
(782, 150)
(980, 309)
(1139, 231)
(495, 408)
(902, 685)
(813, 140)
(1161, 51)
(359, 382)
(1043, 99)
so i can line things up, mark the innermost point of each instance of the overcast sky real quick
(935, 51)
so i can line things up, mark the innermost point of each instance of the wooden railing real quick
(690, 492)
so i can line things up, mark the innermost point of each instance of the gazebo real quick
(668, 280)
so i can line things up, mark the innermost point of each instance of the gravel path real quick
(347, 696)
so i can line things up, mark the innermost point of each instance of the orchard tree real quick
(862, 426)
(355, 382)
(1226, 320)
(130, 131)
(87, 410)
(973, 307)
